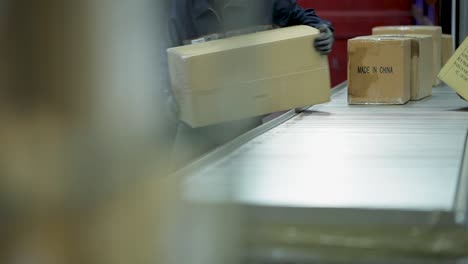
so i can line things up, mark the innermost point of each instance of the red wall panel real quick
(352, 18)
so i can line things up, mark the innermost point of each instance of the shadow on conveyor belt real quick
(464, 109)
(309, 112)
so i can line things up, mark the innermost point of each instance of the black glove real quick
(324, 42)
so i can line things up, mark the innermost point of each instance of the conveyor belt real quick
(395, 164)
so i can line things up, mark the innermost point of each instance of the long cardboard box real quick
(379, 70)
(434, 31)
(455, 72)
(421, 64)
(250, 75)
(447, 48)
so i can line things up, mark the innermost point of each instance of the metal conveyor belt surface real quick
(406, 159)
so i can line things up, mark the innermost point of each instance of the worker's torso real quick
(213, 19)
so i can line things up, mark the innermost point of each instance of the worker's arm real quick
(289, 13)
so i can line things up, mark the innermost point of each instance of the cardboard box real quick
(379, 70)
(435, 32)
(250, 75)
(455, 72)
(447, 48)
(421, 64)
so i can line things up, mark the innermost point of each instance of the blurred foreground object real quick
(84, 142)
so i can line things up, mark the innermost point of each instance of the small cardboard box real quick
(249, 75)
(447, 48)
(421, 65)
(434, 31)
(379, 70)
(455, 72)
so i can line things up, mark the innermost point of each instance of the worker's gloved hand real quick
(324, 42)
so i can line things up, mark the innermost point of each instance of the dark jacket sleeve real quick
(289, 13)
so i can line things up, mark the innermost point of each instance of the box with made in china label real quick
(421, 64)
(379, 70)
(434, 31)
